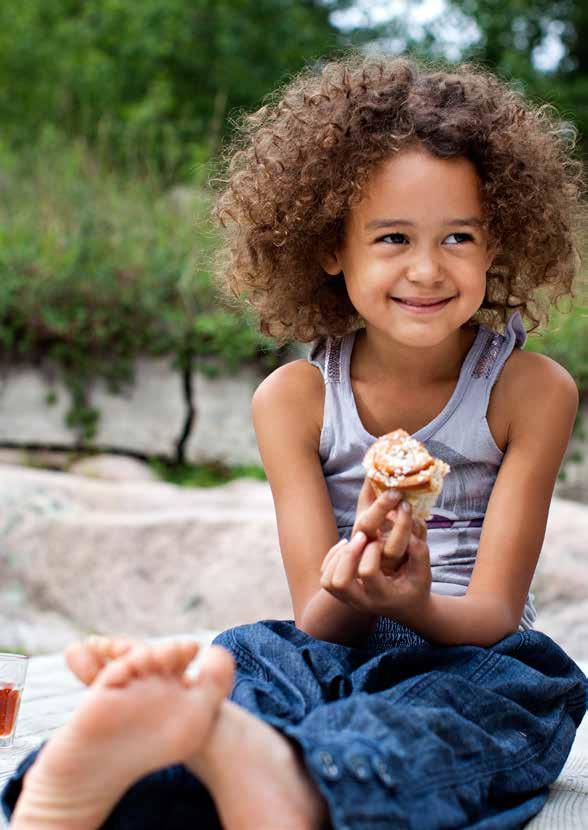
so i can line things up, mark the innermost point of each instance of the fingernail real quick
(358, 537)
(405, 506)
(391, 496)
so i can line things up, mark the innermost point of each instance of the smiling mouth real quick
(423, 307)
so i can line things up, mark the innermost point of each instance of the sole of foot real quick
(113, 737)
(257, 776)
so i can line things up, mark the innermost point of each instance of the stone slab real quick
(146, 417)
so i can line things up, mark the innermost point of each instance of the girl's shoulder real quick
(524, 368)
(531, 377)
(296, 388)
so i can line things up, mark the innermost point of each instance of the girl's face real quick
(417, 234)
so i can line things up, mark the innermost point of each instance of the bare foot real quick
(112, 740)
(273, 773)
(256, 777)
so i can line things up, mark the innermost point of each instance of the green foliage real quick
(511, 33)
(98, 268)
(205, 475)
(565, 339)
(154, 79)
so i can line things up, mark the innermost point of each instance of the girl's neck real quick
(376, 359)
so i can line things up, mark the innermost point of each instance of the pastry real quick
(398, 461)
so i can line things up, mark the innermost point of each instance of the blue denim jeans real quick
(400, 734)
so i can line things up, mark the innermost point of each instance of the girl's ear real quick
(331, 263)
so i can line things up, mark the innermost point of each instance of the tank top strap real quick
(494, 354)
(339, 439)
(326, 354)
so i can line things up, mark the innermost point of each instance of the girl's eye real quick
(390, 236)
(466, 237)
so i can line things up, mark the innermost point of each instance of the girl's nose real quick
(424, 267)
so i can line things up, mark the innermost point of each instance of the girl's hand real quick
(384, 582)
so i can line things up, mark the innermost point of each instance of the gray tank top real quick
(458, 435)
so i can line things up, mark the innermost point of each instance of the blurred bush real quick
(157, 75)
(99, 268)
(565, 339)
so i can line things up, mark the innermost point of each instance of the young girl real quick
(394, 215)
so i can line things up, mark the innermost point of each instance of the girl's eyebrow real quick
(474, 221)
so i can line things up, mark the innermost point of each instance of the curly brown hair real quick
(299, 163)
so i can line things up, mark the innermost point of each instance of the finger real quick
(370, 560)
(352, 593)
(367, 495)
(375, 515)
(419, 553)
(420, 528)
(331, 566)
(415, 556)
(345, 569)
(332, 552)
(398, 538)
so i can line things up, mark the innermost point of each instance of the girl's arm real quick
(543, 401)
(287, 411)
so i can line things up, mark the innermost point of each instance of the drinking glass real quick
(13, 671)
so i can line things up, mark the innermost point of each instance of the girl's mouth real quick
(422, 309)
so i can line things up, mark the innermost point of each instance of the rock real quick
(226, 401)
(561, 577)
(560, 583)
(38, 632)
(574, 484)
(149, 559)
(8, 456)
(146, 416)
(37, 458)
(567, 625)
(113, 468)
(156, 574)
(19, 487)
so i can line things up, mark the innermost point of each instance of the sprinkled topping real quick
(397, 457)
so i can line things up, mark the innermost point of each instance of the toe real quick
(140, 662)
(217, 668)
(143, 661)
(116, 674)
(121, 645)
(83, 662)
(109, 648)
(175, 657)
(87, 659)
(100, 646)
(187, 651)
